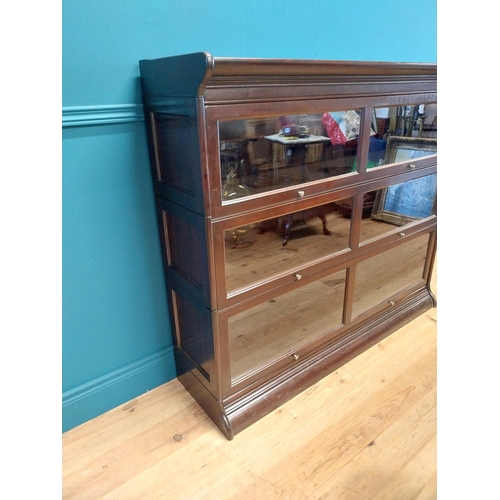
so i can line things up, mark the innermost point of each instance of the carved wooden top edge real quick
(227, 66)
(196, 72)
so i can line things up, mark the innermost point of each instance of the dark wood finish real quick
(255, 404)
(186, 98)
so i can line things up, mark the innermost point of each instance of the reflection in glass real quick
(282, 325)
(382, 276)
(398, 205)
(268, 247)
(406, 202)
(263, 154)
(406, 149)
(405, 122)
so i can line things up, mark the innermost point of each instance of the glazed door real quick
(269, 155)
(297, 280)
(277, 330)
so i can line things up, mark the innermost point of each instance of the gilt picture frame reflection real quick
(408, 148)
(411, 200)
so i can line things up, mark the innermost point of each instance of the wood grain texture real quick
(367, 431)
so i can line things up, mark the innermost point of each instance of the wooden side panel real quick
(173, 138)
(178, 160)
(185, 249)
(176, 146)
(193, 331)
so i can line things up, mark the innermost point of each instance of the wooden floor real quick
(367, 431)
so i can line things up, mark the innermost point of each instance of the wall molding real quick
(102, 394)
(77, 116)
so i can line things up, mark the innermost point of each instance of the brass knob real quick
(402, 235)
(295, 357)
(301, 193)
(298, 276)
(391, 302)
(411, 166)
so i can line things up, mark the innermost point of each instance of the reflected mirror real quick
(405, 122)
(398, 205)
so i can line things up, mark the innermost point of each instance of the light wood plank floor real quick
(367, 431)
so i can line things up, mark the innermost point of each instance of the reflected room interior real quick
(260, 155)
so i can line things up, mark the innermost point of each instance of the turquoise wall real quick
(116, 331)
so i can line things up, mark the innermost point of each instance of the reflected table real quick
(299, 145)
(296, 144)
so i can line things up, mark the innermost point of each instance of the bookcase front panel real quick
(278, 327)
(257, 251)
(265, 154)
(381, 277)
(398, 205)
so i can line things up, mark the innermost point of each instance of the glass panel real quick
(282, 325)
(258, 251)
(382, 276)
(263, 154)
(398, 205)
(402, 133)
